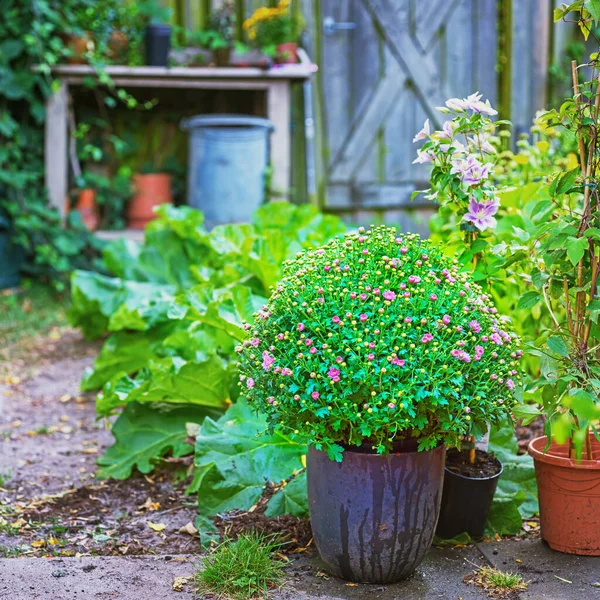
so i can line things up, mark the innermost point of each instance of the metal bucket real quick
(228, 159)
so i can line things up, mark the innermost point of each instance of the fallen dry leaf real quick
(180, 582)
(149, 505)
(65, 398)
(20, 522)
(189, 529)
(156, 526)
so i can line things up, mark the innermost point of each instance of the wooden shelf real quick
(135, 235)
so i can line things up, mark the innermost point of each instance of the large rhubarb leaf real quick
(96, 298)
(235, 459)
(143, 433)
(171, 380)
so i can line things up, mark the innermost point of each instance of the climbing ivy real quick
(33, 38)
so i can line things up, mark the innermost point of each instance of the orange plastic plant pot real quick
(87, 208)
(569, 497)
(287, 53)
(151, 190)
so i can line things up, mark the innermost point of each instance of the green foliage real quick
(316, 361)
(268, 27)
(33, 41)
(142, 435)
(517, 488)
(244, 569)
(175, 306)
(563, 245)
(236, 460)
(220, 32)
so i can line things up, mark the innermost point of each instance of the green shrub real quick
(377, 337)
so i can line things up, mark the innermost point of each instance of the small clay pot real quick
(87, 208)
(117, 45)
(287, 53)
(222, 57)
(569, 497)
(78, 45)
(151, 190)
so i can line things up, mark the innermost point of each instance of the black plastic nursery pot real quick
(158, 44)
(373, 516)
(466, 502)
(11, 258)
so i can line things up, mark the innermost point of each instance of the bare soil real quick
(485, 465)
(52, 504)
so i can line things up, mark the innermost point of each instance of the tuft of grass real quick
(496, 583)
(243, 569)
(33, 310)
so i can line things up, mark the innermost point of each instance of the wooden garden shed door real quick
(385, 66)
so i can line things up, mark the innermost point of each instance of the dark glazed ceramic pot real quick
(374, 517)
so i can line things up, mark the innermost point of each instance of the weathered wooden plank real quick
(459, 51)
(336, 69)
(368, 69)
(521, 67)
(56, 135)
(540, 32)
(485, 40)
(419, 67)
(439, 15)
(414, 221)
(374, 195)
(364, 130)
(278, 111)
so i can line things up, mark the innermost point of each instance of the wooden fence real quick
(384, 65)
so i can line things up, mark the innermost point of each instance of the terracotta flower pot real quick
(151, 190)
(117, 45)
(78, 45)
(373, 517)
(287, 53)
(87, 208)
(569, 496)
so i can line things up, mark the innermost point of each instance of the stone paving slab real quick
(151, 578)
(94, 578)
(540, 565)
(439, 577)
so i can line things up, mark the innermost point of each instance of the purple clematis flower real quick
(424, 133)
(481, 215)
(470, 170)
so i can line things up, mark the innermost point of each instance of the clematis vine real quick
(463, 157)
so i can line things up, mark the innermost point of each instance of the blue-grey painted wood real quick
(382, 79)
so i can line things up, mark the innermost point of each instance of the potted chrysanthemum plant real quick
(378, 350)
(462, 158)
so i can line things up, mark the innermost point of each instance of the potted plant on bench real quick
(275, 30)
(218, 37)
(366, 350)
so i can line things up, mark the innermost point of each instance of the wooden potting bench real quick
(276, 83)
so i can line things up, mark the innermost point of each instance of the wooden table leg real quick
(55, 150)
(279, 112)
